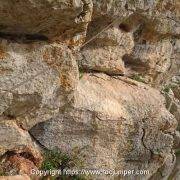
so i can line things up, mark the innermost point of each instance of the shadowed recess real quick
(23, 37)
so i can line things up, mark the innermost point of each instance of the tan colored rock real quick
(41, 79)
(42, 19)
(177, 140)
(115, 123)
(5, 99)
(157, 18)
(112, 122)
(19, 164)
(176, 172)
(173, 104)
(16, 140)
(176, 91)
(152, 53)
(105, 53)
(18, 177)
(171, 77)
(150, 60)
(175, 110)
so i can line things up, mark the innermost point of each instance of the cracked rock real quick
(106, 126)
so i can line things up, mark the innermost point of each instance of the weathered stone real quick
(5, 99)
(173, 105)
(16, 164)
(42, 80)
(175, 86)
(150, 60)
(17, 141)
(106, 52)
(42, 20)
(113, 125)
(18, 177)
(177, 140)
(145, 22)
(112, 121)
(176, 172)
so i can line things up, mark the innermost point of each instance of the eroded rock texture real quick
(19, 153)
(69, 72)
(36, 80)
(65, 20)
(113, 126)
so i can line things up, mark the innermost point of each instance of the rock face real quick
(113, 125)
(153, 25)
(20, 177)
(106, 52)
(36, 80)
(176, 173)
(33, 20)
(150, 60)
(18, 151)
(14, 138)
(69, 73)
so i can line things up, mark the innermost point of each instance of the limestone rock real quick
(18, 177)
(113, 126)
(175, 86)
(176, 91)
(113, 122)
(36, 80)
(171, 93)
(176, 172)
(175, 110)
(17, 141)
(150, 60)
(177, 140)
(39, 19)
(106, 52)
(114, 6)
(150, 24)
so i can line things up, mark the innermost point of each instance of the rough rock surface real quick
(113, 126)
(66, 70)
(19, 153)
(33, 19)
(150, 60)
(16, 140)
(106, 52)
(18, 177)
(153, 25)
(36, 80)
